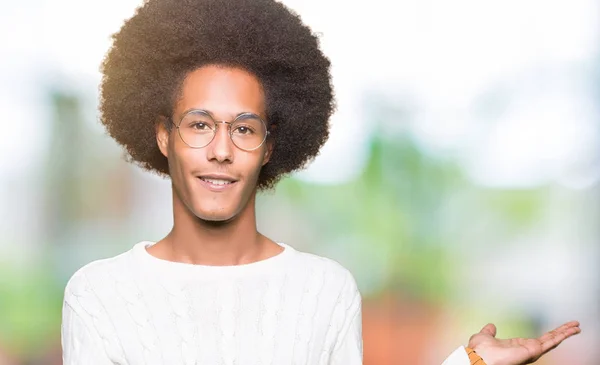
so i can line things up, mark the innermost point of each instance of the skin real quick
(219, 228)
(215, 228)
(518, 351)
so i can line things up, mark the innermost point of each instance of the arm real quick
(464, 356)
(349, 349)
(347, 317)
(81, 343)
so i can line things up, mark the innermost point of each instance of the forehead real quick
(223, 91)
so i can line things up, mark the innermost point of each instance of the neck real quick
(196, 241)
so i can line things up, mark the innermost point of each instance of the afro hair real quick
(166, 39)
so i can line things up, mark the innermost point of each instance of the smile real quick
(216, 184)
(217, 181)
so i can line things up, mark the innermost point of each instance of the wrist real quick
(474, 358)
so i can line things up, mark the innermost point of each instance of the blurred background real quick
(460, 185)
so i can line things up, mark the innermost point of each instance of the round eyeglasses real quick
(197, 128)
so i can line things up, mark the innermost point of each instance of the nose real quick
(221, 148)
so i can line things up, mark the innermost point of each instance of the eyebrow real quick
(213, 116)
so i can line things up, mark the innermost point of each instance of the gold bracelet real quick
(474, 358)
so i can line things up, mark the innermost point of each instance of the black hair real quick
(166, 39)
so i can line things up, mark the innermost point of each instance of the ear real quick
(269, 152)
(162, 136)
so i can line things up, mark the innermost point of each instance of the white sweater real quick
(136, 309)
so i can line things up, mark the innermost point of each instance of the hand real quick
(518, 351)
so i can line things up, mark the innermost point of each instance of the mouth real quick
(216, 183)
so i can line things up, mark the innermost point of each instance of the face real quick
(215, 182)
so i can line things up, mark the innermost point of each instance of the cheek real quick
(254, 163)
(182, 160)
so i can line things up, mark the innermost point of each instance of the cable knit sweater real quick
(293, 308)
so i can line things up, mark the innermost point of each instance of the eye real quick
(243, 129)
(199, 126)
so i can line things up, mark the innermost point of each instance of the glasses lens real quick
(197, 129)
(248, 132)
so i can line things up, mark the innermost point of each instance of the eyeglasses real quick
(197, 129)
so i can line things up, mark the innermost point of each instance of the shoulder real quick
(327, 265)
(337, 278)
(96, 275)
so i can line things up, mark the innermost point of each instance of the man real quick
(225, 97)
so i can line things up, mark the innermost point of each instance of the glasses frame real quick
(217, 122)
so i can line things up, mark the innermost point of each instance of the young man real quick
(225, 97)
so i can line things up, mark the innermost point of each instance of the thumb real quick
(489, 329)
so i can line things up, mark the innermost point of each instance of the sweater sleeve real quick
(349, 348)
(81, 343)
(458, 357)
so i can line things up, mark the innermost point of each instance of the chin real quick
(215, 215)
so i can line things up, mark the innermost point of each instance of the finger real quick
(558, 339)
(554, 338)
(565, 327)
(489, 329)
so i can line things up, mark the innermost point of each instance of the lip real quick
(215, 187)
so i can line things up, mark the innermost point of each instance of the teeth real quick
(217, 182)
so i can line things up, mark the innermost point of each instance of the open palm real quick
(518, 351)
